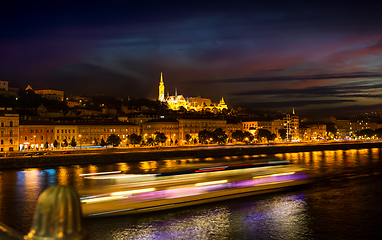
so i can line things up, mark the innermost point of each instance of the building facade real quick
(291, 125)
(51, 94)
(9, 130)
(170, 127)
(35, 135)
(177, 102)
(192, 126)
(313, 132)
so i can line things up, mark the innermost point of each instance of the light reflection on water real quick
(283, 217)
(260, 219)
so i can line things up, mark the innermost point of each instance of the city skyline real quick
(319, 58)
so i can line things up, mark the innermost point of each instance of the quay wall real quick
(114, 155)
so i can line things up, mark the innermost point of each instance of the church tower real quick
(161, 89)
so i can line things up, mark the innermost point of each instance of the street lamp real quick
(34, 141)
(79, 138)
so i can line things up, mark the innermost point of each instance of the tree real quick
(271, 137)
(150, 141)
(95, 142)
(283, 133)
(160, 137)
(220, 136)
(55, 143)
(248, 137)
(331, 130)
(188, 138)
(103, 143)
(205, 136)
(378, 132)
(135, 139)
(366, 133)
(238, 135)
(114, 140)
(64, 143)
(264, 133)
(46, 145)
(73, 143)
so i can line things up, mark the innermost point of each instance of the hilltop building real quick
(50, 94)
(7, 90)
(197, 104)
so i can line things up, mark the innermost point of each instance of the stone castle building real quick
(190, 104)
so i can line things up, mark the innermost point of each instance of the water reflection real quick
(148, 165)
(62, 176)
(284, 217)
(20, 191)
(123, 167)
(281, 218)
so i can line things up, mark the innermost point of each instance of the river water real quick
(343, 202)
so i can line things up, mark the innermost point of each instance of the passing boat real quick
(138, 193)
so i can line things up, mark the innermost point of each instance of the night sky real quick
(319, 58)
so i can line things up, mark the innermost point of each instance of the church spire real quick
(161, 89)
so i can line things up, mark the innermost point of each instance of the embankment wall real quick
(115, 155)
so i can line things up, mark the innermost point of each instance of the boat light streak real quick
(100, 173)
(210, 183)
(211, 169)
(102, 213)
(275, 175)
(133, 191)
(122, 176)
(278, 162)
(282, 174)
(101, 199)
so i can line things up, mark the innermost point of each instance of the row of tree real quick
(369, 133)
(218, 136)
(113, 139)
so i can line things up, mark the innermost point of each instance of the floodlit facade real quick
(197, 104)
(170, 127)
(90, 132)
(35, 135)
(313, 132)
(273, 126)
(50, 94)
(291, 125)
(193, 126)
(250, 126)
(9, 126)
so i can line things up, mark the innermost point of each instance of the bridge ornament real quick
(58, 215)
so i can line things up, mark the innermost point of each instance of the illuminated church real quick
(190, 104)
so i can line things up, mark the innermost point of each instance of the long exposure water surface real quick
(344, 202)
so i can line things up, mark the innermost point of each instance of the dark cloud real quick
(320, 49)
(353, 75)
(290, 104)
(341, 90)
(88, 79)
(343, 111)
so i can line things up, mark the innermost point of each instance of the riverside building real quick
(9, 125)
